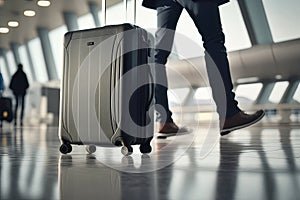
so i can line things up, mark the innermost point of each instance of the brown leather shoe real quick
(240, 120)
(167, 128)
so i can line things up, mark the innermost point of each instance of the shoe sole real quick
(228, 130)
(165, 135)
(180, 132)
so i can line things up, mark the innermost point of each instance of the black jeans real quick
(206, 17)
(19, 99)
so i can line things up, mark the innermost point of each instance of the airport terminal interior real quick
(258, 162)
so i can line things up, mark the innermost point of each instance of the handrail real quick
(212, 108)
(265, 62)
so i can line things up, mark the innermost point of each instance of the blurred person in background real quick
(19, 84)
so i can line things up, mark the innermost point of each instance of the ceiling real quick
(46, 17)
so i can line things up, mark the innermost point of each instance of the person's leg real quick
(206, 17)
(22, 109)
(167, 18)
(16, 109)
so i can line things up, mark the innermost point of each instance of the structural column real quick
(71, 21)
(256, 21)
(8, 69)
(94, 9)
(190, 98)
(15, 49)
(33, 74)
(290, 91)
(48, 55)
(287, 97)
(263, 97)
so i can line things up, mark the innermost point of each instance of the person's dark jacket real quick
(19, 83)
(153, 4)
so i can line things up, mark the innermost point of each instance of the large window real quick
(38, 60)
(4, 72)
(145, 17)
(25, 62)
(86, 22)
(56, 38)
(203, 93)
(115, 14)
(188, 42)
(177, 96)
(283, 17)
(248, 93)
(11, 62)
(278, 91)
(296, 96)
(234, 27)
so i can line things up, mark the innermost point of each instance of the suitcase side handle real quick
(151, 90)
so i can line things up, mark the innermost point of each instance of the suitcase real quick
(6, 113)
(107, 89)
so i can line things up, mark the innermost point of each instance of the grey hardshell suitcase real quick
(107, 89)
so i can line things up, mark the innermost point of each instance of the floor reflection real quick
(257, 163)
(25, 169)
(267, 172)
(287, 146)
(81, 178)
(228, 169)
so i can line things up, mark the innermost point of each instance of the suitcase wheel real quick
(145, 148)
(90, 148)
(126, 150)
(65, 148)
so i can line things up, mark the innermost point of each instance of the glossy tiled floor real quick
(254, 163)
